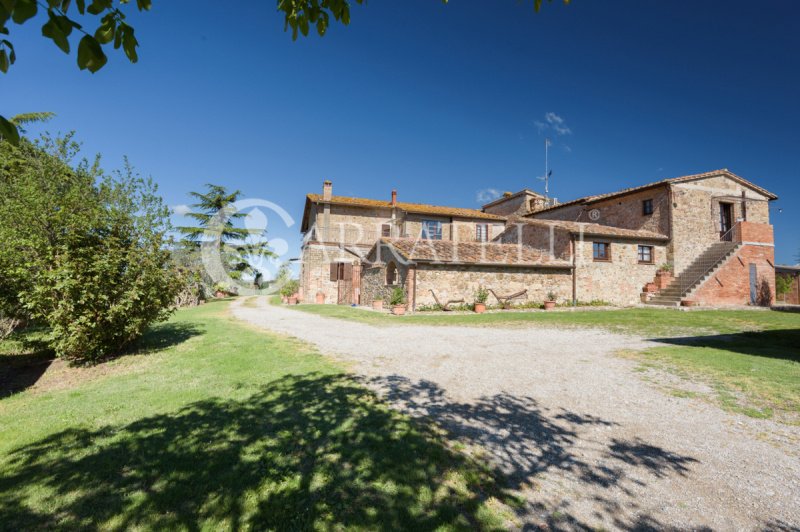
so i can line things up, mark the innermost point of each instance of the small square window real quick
(386, 230)
(646, 254)
(647, 207)
(481, 232)
(601, 251)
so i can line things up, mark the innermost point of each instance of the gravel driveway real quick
(575, 429)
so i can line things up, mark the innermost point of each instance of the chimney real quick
(327, 190)
(394, 198)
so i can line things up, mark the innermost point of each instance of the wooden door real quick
(725, 220)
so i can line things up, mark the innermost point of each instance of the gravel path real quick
(588, 442)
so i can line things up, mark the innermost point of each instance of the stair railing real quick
(706, 263)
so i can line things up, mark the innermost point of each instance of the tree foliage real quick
(104, 25)
(83, 252)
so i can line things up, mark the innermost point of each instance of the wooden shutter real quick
(347, 272)
(334, 271)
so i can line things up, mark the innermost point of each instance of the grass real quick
(213, 425)
(753, 373)
(641, 321)
(749, 358)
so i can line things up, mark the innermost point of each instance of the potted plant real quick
(398, 301)
(664, 275)
(320, 298)
(550, 302)
(289, 292)
(480, 300)
(377, 304)
(221, 290)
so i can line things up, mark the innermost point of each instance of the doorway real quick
(725, 220)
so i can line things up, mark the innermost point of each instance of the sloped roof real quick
(593, 229)
(417, 208)
(471, 253)
(692, 177)
(505, 197)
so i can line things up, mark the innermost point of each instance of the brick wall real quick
(730, 285)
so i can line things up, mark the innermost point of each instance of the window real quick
(601, 251)
(645, 254)
(647, 207)
(386, 230)
(341, 271)
(481, 232)
(432, 229)
(391, 274)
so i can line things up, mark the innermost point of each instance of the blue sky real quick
(443, 102)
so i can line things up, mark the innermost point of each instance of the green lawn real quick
(751, 359)
(216, 426)
(643, 321)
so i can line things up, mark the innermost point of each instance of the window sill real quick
(602, 260)
(647, 263)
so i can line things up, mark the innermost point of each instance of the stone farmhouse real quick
(700, 239)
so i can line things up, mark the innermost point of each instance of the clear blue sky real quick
(440, 101)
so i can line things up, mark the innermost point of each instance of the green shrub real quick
(398, 296)
(290, 288)
(89, 253)
(783, 284)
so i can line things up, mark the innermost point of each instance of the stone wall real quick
(461, 282)
(315, 271)
(619, 281)
(730, 285)
(625, 212)
(515, 204)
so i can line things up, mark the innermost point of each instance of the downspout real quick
(574, 271)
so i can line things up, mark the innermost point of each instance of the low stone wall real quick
(461, 282)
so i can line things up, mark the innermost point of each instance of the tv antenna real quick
(547, 171)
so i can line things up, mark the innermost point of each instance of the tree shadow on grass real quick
(305, 452)
(781, 344)
(20, 371)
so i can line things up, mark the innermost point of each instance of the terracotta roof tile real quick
(416, 208)
(682, 179)
(593, 229)
(450, 252)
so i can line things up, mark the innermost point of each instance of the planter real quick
(549, 305)
(663, 278)
(377, 304)
(320, 298)
(399, 310)
(688, 303)
(293, 300)
(284, 300)
(220, 293)
(480, 308)
(651, 287)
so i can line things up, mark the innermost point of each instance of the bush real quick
(89, 251)
(783, 284)
(398, 296)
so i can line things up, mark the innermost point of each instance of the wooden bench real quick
(446, 306)
(505, 301)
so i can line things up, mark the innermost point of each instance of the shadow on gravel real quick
(525, 440)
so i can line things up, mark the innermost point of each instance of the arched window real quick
(391, 274)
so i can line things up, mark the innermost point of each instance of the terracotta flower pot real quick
(293, 300)
(688, 303)
(549, 305)
(320, 298)
(663, 278)
(480, 308)
(377, 304)
(284, 300)
(650, 287)
(220, 293)
(399, 310)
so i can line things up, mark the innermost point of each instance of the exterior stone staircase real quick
(695, 274)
